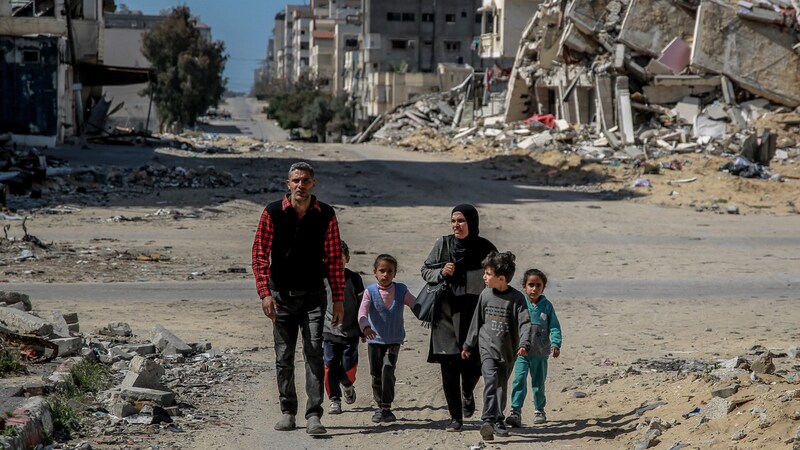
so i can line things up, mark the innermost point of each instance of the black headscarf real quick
(468, 253)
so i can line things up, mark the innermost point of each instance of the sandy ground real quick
(629, 280)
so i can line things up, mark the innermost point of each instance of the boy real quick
(545, 339)
(500, 329)
(340, 343)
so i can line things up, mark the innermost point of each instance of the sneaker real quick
(286, 423)
(514, 420)
(314, 426)
(349, 394)
(469, 406)
(378, 416)
(454, 426)
(539, 417)
(387, 415)
(500, 429)
(487, 431)
(336, 407)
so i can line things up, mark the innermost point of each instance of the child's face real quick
(534, 287)
(493, 280)
(385, 273)
(345, 258)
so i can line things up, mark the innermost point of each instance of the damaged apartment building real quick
(614, 64)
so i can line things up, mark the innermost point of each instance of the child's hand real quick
(363, 339)
(522, 351)
(369, 334)
(465, 354)
(556, 352)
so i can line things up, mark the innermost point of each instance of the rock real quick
(144, 373)
(738, 435)
(68, 346)
(11, 298)
(717, 408)
(793, 352)
(657, 424)
(725, 374)
(733, 209)
(167, 343)
(24, 323)
(60, 325)
(580, 394)
(725, 392)
(117, 329)
(763, 364)
(646, 443)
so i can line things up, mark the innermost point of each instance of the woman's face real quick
(459, 224)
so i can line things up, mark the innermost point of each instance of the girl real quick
(380, 317)
(545, 340)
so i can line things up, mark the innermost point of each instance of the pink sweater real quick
(387, 295)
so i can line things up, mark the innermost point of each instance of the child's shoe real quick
(349, 394)
(387, 415)
(336, 407)
(378, 416)
(487, 431)
(454, 426)
(500, 429)
(539, 417)
(514, 420)
(468, 408)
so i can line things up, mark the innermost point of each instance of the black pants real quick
(341, 363)
(495, 389)
(459, 378)
(306, 314)
(382, 363)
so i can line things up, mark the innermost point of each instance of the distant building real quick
(502, 24)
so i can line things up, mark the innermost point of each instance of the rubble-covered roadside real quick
(637, 84)
(163, 388)
(752, 401)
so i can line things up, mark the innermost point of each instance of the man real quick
(297, 246)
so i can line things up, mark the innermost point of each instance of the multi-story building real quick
(279, 46)
(301, 43)
(412, 37)
(502, 24)
(327, 50)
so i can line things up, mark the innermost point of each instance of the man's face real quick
(300, 185)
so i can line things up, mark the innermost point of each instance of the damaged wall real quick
(757, 56)
(650, 25)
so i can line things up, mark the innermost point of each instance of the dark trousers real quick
(459, 378)
(306, 314)
(341, 362)
(382, 362)
(495, 389)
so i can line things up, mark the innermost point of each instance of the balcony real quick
(491, 46)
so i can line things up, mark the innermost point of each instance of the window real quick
(399, 44)
(351, 43)
(30, 56)
(478, 18)
(450, 18)
(427, 17)
(463, 14)
(304, 46)
(394, 17)
(408, 17)
(427, 43)
(452, 46)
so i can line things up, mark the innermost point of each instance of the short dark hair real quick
(532, 273)
(301, 165)
(345, 249)
(501, 263)
(385, 257)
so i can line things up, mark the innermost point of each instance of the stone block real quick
(68, 346)
(144, 373)
(24, 323)
(163, 398)
(60, 325)
(122, 408)
(167, 343)
(11, 298)
(717, 408)
(725, 392)
(117, 329)
(71, 317)
(140, 349)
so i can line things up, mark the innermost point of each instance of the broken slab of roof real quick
(650, 25)
(757, 56)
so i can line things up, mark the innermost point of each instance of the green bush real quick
(10, 362)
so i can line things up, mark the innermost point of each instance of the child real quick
(500, 329)
(545, 339)
(340, 343)
(381, 319)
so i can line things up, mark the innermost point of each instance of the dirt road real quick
(628, 281)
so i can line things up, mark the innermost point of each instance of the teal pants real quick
(537, 367)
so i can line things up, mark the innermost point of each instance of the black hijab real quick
(468, 253)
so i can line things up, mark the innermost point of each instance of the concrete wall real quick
(650, 25)
(728, 45)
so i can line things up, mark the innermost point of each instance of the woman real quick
(457, 258)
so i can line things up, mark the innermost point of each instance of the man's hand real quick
(556, 352)
(465, 354)
(338, 313)
(368, 333)
(522, 351)
(269, 306)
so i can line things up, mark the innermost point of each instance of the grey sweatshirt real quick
(500, 326)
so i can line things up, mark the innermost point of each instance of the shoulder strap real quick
(446, 256)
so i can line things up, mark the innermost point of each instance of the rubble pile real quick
(437, 111)
(161, 176)
(160, 382)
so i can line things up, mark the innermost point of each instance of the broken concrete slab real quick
(650, 25)
(139, 349)
(60, 325)
(725, 391)
(11, 298)
(117, 329)
(588, 16)
(24, 323)
(660, 95)
(167, 343)
(676, 55)
(144, 373)
(717, 408)
(688, 108)
(162, 398)
(68, 346)
(725, 44)
(624, 111)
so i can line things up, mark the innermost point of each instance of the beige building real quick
(502, 23)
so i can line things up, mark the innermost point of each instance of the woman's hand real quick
(448, 269)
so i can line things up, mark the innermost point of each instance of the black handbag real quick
(431, 295)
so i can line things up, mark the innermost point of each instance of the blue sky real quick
(244, 25)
